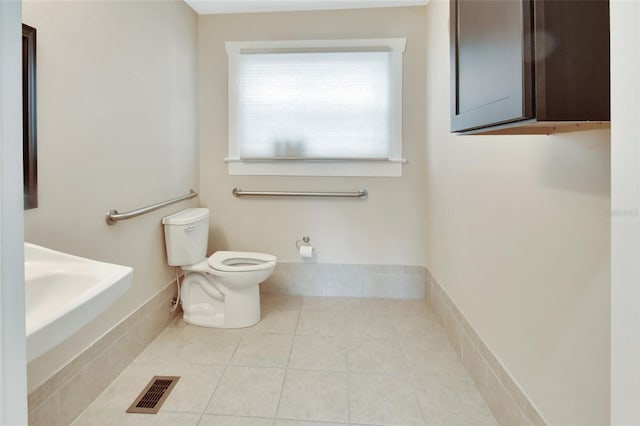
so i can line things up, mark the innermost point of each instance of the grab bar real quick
(357, 194)
(113, 216)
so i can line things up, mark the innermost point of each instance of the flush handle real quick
(190, 228)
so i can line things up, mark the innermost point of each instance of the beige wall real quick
(116, 129)
(625, 209)
(518, 235)
(388, 227)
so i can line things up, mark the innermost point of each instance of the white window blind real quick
(316, 107)
(328, 105)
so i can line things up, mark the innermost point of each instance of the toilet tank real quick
(185, 236)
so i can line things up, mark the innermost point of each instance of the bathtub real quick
(63, 293)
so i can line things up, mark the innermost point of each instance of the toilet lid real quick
(239, 261)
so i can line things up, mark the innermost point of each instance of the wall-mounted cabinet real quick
(529, 66)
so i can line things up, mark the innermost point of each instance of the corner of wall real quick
(506, 399)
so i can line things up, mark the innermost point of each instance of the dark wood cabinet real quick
(529, 66)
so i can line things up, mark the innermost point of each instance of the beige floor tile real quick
(162, 419)
(365, 324)
(277, 321)
(350, 361)
(313, 303)
(105, 417)
(383, 400)
(167, 345)
(193, 344)
(248, 391)
(198, 349)
(263, 350)
(280, 422)
(447, 391)
(314, 395)
(191, 394)
(435, 358)
(194, 389)
(98, 417)
(409, 307)
(452, 401)
(125, 388)
(417, 327)
(321, 323)
(433, 343)
(457, 417)
(375, 356)
(319, 353)
(283, 302)
(364, 304)
(215, 420)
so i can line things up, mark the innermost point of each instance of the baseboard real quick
(507, 401)
(346, 280)
(63, 397)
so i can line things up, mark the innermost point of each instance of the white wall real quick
(518, 235)
(388, 227)
(13, 374)
(625, 208)
(116, 129)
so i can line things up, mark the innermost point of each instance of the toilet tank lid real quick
(187, 216)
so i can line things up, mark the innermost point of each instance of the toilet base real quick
(202, 318)
(202, 315)
(237, 308)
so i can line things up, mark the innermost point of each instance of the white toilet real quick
(222, 290)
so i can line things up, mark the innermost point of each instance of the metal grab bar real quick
(113, 216)
(357, 194)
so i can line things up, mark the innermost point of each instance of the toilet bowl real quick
(219, 291)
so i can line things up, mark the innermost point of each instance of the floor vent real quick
(153, 395)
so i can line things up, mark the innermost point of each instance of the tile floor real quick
(310, 361)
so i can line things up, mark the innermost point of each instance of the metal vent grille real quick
(153, 395)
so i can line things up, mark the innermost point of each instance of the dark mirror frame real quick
(29, 129)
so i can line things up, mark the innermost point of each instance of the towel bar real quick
(113, 216)
(241, 193)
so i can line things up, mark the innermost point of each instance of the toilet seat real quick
(239, 261)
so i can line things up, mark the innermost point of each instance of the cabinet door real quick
(490, 62)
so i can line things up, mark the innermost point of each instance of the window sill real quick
(362, 168)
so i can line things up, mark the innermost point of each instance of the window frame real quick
(391, 166)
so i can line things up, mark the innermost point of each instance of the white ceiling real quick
(210, 7)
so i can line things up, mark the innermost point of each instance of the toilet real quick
(219, 291)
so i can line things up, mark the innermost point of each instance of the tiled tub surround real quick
(69, 392)
(506, 400)
(343, 280)
(311, 359)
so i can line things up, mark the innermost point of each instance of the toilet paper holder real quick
(304, 241)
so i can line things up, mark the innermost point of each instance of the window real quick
(316, 108)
